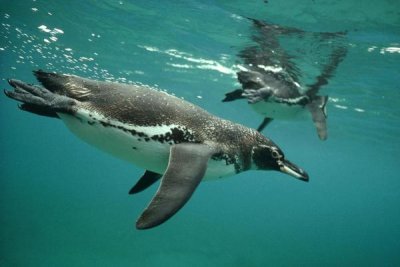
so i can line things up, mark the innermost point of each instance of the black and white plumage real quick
(272, 81)
(170, 138)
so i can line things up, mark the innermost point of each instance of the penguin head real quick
(271, 157)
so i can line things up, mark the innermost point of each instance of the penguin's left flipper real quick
(186, 168)
(147, 179)
(264, 124)
(317, 108)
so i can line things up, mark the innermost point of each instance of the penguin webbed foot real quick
(234, 95)
(38, 100)
(256, 95)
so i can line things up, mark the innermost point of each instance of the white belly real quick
(280, 111)
(149, 155)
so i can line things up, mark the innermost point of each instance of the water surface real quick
(63, 203)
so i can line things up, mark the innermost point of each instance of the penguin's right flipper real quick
(147, 179)
(264, 124)
(317, 108)
(186, 168)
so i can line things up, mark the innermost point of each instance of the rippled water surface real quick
(63, 203)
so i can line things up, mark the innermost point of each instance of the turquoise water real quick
(63, 203)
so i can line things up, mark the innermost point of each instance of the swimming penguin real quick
(271, 79)
(170, 138)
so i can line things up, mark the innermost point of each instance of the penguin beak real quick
(291, 169)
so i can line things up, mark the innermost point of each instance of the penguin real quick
(172, 139)
(271, 82)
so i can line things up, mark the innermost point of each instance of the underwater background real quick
(64, 203)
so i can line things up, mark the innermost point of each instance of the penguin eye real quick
(267, 157)
(275, 153)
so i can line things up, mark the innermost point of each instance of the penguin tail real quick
(52, 81)
(67, 85)
(317, 108)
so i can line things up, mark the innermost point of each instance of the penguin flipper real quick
(264, 124)
(186, 168)
(335, 59)
(147, 179)
(317, 107)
